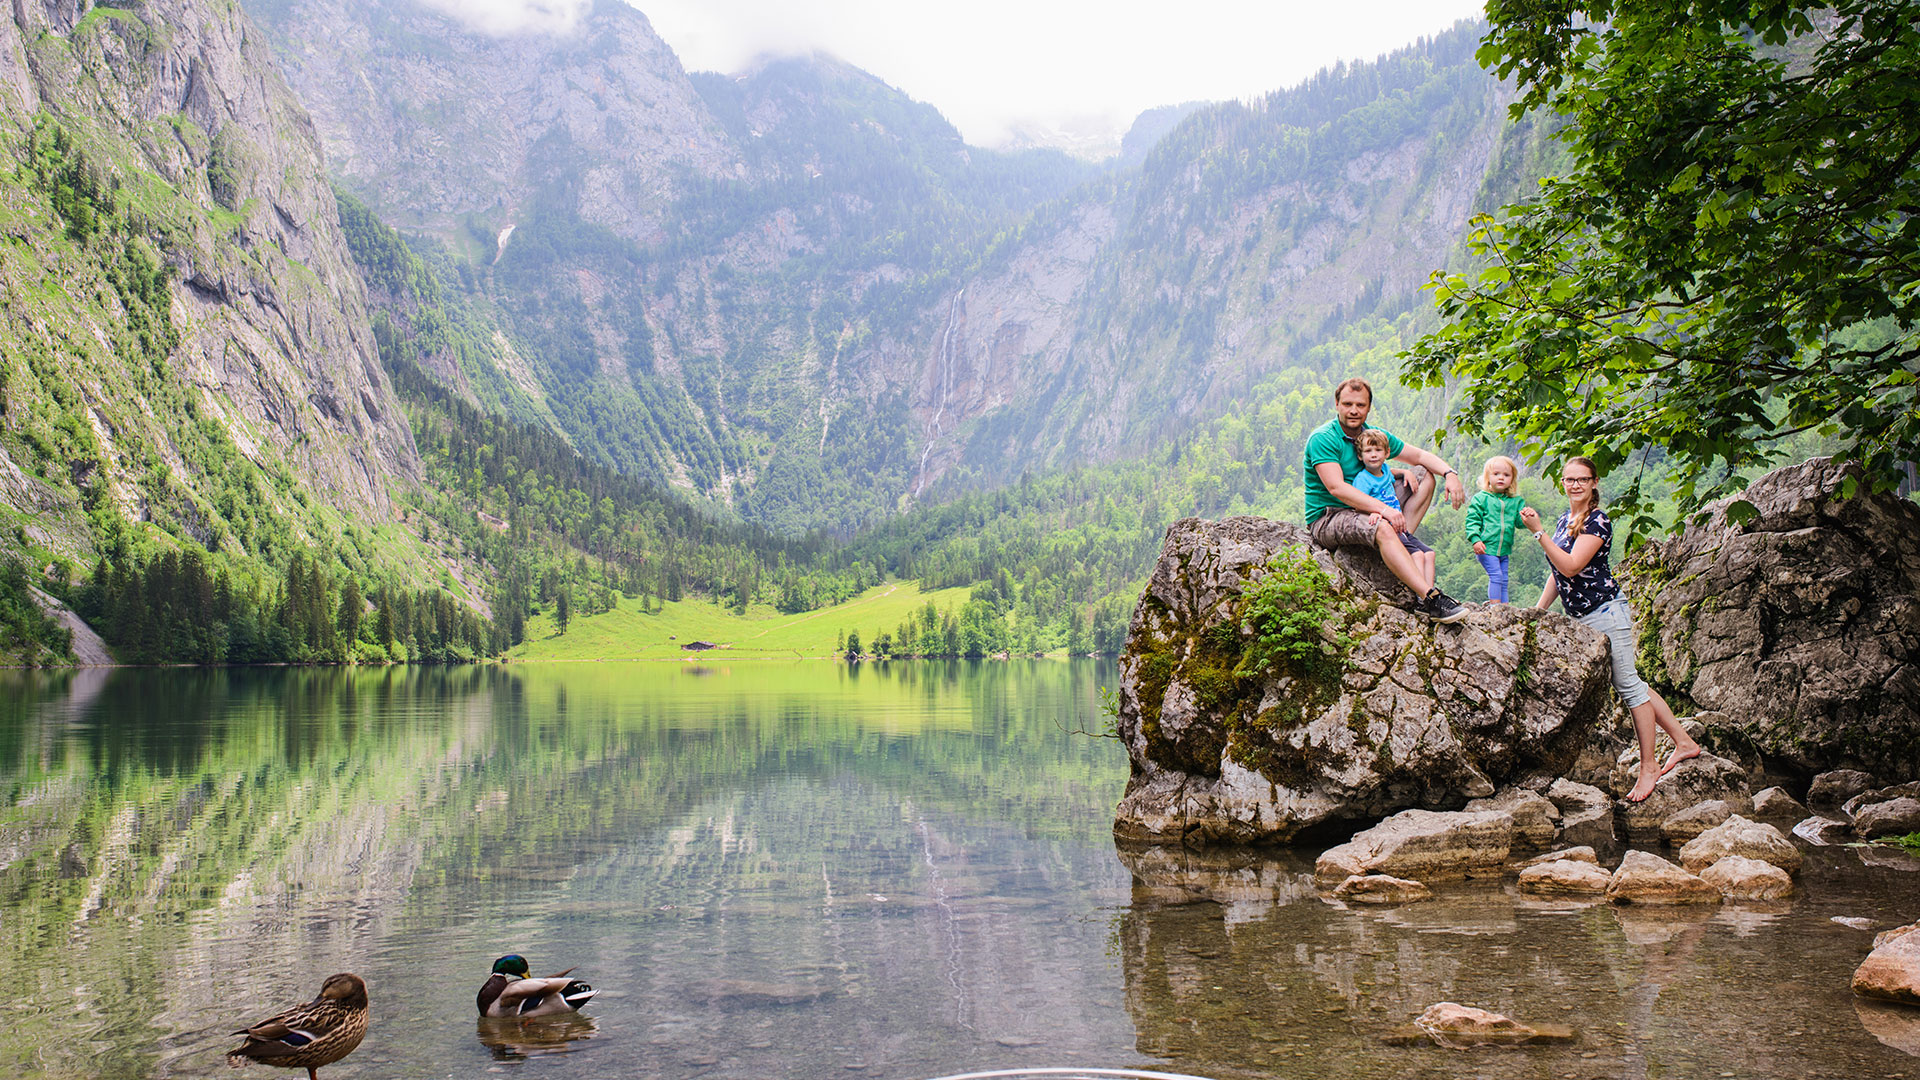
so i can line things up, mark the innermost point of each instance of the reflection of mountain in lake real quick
(207, 837)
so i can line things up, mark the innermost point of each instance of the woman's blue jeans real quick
(1496, 575)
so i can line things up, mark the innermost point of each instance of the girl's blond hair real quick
(1513, 469)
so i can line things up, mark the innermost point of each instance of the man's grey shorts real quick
(1347, 527)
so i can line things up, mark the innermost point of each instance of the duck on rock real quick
(509, 992)
(320, 1032)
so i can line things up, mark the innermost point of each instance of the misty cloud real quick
(516, 16)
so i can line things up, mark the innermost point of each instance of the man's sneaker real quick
(1442, 608)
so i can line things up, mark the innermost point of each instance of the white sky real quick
(994, 66)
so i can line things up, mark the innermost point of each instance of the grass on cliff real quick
(628, 633)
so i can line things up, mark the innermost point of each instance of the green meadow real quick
(629, 633)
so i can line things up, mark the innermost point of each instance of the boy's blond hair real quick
(1370, 436)
(1513, 470)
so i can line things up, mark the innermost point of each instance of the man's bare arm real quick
(1456, 492)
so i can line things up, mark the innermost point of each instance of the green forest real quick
(614, 486)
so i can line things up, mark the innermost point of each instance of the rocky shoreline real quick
(1494, 748)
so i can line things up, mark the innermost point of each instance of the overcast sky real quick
(994, 67)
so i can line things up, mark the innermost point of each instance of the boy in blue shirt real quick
(1375, 480)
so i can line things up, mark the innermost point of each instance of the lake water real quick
(800, 869)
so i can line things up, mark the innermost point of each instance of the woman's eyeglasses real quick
(1576, 480)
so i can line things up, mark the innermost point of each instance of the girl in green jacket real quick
(1491, 518)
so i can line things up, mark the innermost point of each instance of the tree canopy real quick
(1731, 256)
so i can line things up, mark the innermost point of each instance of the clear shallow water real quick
(791, 870)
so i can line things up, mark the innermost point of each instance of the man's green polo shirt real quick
(1329, 443)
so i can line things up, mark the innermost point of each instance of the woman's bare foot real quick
(1680, 754)
(1644, 788)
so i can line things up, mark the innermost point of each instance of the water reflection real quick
(1235, 965)
(799, 870)
(514, 1039)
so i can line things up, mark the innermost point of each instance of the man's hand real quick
(1479, 547)
(1456, 491)
(1395, 519)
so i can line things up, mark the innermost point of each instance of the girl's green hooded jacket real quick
(1491, 520)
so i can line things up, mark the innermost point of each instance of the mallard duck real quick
(509, 992)
(308, 1036)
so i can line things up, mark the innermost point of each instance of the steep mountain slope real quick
(1249, 233)
(812, 301)
(186, 341)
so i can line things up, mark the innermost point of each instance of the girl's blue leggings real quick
(1496, 575)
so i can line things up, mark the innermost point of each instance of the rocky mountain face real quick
(451, 130)
(187, 341)
(798, 291)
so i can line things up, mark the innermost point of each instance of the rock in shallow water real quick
(1777, 804)
(1831, 789)
(1892, 971)
(1424, 845)
(1565, 877)
(1645, 878)
(1739, 836)
(1459, 1026)
(1586, 814)
(1414, 714)
(1895, 817)
(1381, 889)
(1741, 878)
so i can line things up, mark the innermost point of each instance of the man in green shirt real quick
(1339, 515)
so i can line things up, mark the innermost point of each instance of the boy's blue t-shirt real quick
(1378, 487)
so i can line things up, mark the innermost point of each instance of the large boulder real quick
(1388, 711)
(1791, 610)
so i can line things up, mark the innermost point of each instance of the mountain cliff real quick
(795, 290)
(187, 342)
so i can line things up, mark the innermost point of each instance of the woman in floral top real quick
(1578, 553)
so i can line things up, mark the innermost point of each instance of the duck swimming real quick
(509, 992)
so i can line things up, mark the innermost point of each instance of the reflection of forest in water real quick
(176, 841)
(1235, 966)
(783, 870)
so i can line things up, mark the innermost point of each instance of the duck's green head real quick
(513, 966)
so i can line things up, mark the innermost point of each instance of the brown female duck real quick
(308, 1036)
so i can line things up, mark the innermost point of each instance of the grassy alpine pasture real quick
(628, 633)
